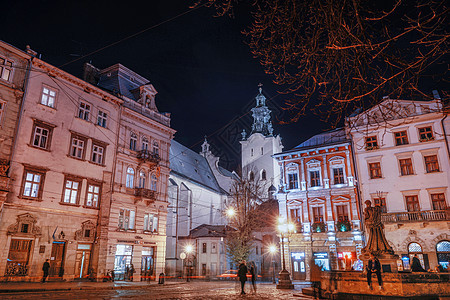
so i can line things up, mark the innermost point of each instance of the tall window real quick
(315, 178)
(151, 223)
(431, 163)
(251, 176)
(412, 203)
(133, 141)
(84, 111)
(262, 150)
(98, 153)
(48, 97)
(375, 170)
(293, 181)
(130, 178)
(5, 69)
(2, 109)
(102, 117)
(406, 167)
(371, 143)
(71, 191)
(42, 134)
(204, 248)
(153, 182)
(401, 138)
(77, 147)
(32, 184)
(263, 175)
(93, 195)
(126, 219)
(342, 213)
(142, 179)
(380, 202)
(426, 134)
(155, 148)
(144, 144)
(318, 214)
(438, 201)
(338, 175)
(295, 215)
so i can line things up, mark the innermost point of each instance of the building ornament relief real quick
(25, 226)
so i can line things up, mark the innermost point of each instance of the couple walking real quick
(242, 274)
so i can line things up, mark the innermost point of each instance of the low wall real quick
(336, 284)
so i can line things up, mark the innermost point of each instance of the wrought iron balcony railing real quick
(416, 216)
(146, 155)
(144, 194)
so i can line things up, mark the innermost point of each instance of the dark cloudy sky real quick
(204, 73)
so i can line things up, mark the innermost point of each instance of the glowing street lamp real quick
(272, 251)
(231, 212)
(189, 249)
(285, 279)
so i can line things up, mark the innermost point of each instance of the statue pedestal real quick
(388, 262)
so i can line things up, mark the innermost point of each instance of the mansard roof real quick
(206, 230)
(326, 138)
(189, 164)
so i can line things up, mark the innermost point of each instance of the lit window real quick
(151, 223)
(71, 189)
(412, 203)
(292, 181)
(142, 179)
(32, 184)
(133, 141)
(130, 178)
(48, 97)
(438, 201)
(93, 195)
(426, 134)
(126, 219)
(371, 143)
(77, 147)
(84, 110)
(338, 175)
(431, 163)
(41, 135)
(406, 167)
(5, 69)
(315, 178)
(375, 170)
(401, 138)
(102, 117)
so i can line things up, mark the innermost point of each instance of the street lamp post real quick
(273, 250)
(188, 249)
(285, 279)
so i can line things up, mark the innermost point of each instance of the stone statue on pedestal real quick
(377, 243)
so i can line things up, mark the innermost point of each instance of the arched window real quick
(443, 253)
(130, 178)
(144, 144)
(263, 175)
(415, 248)
(251, 176)
(133, 141)
(155, 148)
(142, 179)
(153, 182)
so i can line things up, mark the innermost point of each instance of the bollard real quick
(161, 278)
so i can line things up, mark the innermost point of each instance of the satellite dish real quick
(182, 255)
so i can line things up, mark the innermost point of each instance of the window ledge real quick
(69, 204)
(101, 126)
(406, 175)
(77, 117)
(77, 158)
(30, 198)
(433, 172)
(36, 147)
(126, 230)
(97, 164)
(150, 232)
(91, 207)
(53, 108)
(376, 178)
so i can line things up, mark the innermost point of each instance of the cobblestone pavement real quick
(192, 290)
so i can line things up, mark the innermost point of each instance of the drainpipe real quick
(16, 130)
(445, 135)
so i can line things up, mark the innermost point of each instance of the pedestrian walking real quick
(253, 274)
(416, 266)
(45, 268)
(242, 274)
(132, 270)
(373, 266)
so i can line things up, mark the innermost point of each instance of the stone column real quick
(302, 174)
(350, 179)
(329, 221)
(326, 181)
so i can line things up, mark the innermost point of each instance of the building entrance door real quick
(57, 259)
(298, 265)
(82, 260)
(148, 264)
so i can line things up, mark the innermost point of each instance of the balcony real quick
(146, 195)
(416, 216)
(318, 227)
(146, 155)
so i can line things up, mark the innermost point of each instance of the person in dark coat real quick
(242, 274)
(45, 268)
(253, 273)
(373, 266)
(416, 266)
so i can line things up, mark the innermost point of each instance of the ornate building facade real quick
(402, 157)
(319, 196)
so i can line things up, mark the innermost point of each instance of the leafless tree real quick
(334, 56)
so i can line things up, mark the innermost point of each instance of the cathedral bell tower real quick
(257, 149)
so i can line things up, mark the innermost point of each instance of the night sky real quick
(204, 73)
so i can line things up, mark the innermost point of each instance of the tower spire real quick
(261, 115)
